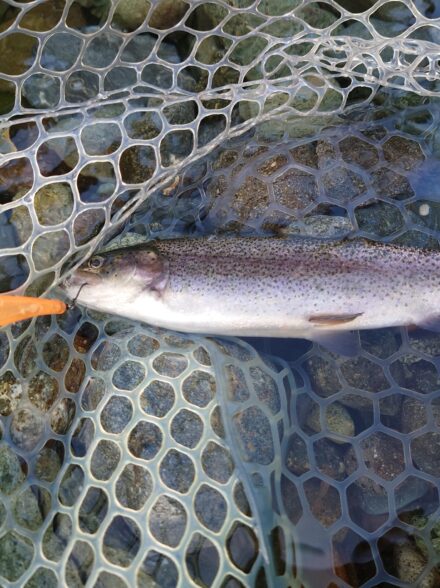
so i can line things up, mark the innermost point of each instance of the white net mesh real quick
(132, 456)
(114, 98)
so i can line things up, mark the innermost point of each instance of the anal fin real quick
(343, 342)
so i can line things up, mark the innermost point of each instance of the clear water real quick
(132, 456)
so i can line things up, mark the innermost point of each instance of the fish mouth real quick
(75, 283)
(73, 303)
(70, 283)
(79, 277)
(72, 288)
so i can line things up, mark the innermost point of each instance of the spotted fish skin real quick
(296, 287)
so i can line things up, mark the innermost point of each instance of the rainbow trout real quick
(297, 287)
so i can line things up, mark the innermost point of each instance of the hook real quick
(73, 303)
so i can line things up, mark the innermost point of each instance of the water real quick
(132, 455)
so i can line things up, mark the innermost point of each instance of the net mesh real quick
(132, 456)
(114, 98)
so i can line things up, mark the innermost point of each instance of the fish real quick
(18, 308)
(297, 287)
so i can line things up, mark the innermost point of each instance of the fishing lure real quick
(19, 308)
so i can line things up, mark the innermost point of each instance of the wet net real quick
(132, 456)
(105, 101)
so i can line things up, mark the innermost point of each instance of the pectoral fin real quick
(342, 342)
(332, 320)
(430, 324)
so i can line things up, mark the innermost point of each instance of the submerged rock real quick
(53, 203)
(12, 471)
(410, 564)
(96, 7)
(16, 553)
(425, 454)
(166, 13)
(11, 392)
(31, 507)
(27, 427)
(383, 455)
(41, 91)
(336, 418)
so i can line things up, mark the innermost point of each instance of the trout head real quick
(118, 276)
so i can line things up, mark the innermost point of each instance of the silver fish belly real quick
(297, 287)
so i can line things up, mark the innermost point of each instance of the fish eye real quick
(96, 262)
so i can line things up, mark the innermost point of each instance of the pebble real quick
(10, 393)
(12, 472)
(410, 563)
(425, 453)
(413, 415)
(383, 454)
(27, 427)
(337, 420)
(16, 553)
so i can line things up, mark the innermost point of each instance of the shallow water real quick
(132, 456)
